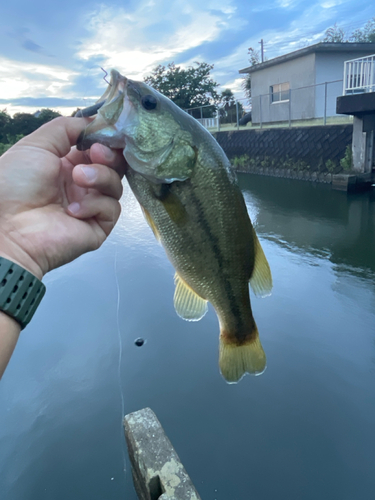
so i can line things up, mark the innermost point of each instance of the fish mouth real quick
(107, 109)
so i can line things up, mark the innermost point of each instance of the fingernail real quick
(108, 154)
(74, 208)
(90, 173)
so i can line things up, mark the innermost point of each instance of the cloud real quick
(32, 46)
(126, 40)
(20, 79)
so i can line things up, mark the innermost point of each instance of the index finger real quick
(58, 135)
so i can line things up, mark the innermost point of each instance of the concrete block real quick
(157, 470)
(343, 182)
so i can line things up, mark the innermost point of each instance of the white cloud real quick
(22, 79)
(123, 38)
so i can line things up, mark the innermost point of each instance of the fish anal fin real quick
(261, 279)
(187, 303)
(151, 223)
(235, 360)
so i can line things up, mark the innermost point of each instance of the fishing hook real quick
(105, 76)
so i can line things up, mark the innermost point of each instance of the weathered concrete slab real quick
(344, 182)
(157, 470)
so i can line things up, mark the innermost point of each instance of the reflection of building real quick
(359, 100)
(301, 85)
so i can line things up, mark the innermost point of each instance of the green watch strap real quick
(20, 292)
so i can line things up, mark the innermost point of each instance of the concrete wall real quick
(330, 67)
(312, 145)
(299, 72)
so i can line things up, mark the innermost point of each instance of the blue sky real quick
(51, 52)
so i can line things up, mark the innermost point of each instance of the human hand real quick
(56, 202)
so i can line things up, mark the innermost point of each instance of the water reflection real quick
(304, 429)
(315, 218)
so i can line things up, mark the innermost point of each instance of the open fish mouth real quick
(102, 129)
(113, 90)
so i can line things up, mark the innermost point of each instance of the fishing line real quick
(119, 366)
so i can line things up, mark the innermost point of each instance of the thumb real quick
(57, 136)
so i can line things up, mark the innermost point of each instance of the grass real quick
(332, 120)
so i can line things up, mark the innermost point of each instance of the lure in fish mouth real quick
(190, 198)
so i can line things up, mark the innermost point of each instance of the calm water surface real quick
(302, 430)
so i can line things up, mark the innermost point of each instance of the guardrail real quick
(359, 75)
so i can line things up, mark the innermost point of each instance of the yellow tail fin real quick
(236, 360)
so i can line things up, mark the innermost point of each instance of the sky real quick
(51, 53)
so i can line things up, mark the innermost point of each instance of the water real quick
(304, 429)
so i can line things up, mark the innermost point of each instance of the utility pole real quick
(261, 49)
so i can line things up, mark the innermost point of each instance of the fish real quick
(190, 198)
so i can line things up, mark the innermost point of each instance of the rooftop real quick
(366, 48)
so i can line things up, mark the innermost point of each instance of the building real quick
(302, 85)
(358, 100)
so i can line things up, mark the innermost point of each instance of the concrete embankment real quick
(309, 147)
(316, 154)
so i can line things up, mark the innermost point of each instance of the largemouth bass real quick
(190, 198)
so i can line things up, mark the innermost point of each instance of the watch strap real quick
(20, 292)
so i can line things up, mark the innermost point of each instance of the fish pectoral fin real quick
(187, 303)
(261, 279)
(151, 223)
(236, 360)
(171, 203)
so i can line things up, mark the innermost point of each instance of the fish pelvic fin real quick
(235, 360)
(261, 279)
(151, 223)
(187, 303)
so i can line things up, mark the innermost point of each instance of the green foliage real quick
(331, 166)
(267, 162)
(228, 111)
(13, 129)
(254, 58)
(5, 120)
(46, 115)
(10, 140)
(240, 161)
(347, 162)
(366, 34)
(334, 35)
(188, 88)
(360, 35)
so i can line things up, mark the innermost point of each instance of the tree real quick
(228, 109)
(366, 34)
(188, 88)
(5, 121)
(23, 124)
(46, 115)
(334, 35)
(254, 59)
(360, 35)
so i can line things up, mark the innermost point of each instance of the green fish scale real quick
(212, 249)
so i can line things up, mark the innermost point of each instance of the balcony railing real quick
(359, 75)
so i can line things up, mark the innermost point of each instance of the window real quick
(280, 92)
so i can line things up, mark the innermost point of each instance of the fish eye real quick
(149, 102)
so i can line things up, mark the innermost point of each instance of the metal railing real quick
(359, 75)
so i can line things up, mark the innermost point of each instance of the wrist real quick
(11, 251)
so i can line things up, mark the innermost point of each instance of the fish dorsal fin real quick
(261, 279)
(151, 223)
(187, 303)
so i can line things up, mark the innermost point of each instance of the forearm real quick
(9, 333)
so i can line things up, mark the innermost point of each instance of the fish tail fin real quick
(237, 359)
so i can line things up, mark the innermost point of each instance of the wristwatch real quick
(20, 292)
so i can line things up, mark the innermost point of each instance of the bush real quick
(347, 162)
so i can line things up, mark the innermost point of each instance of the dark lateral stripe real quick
(219, 257)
